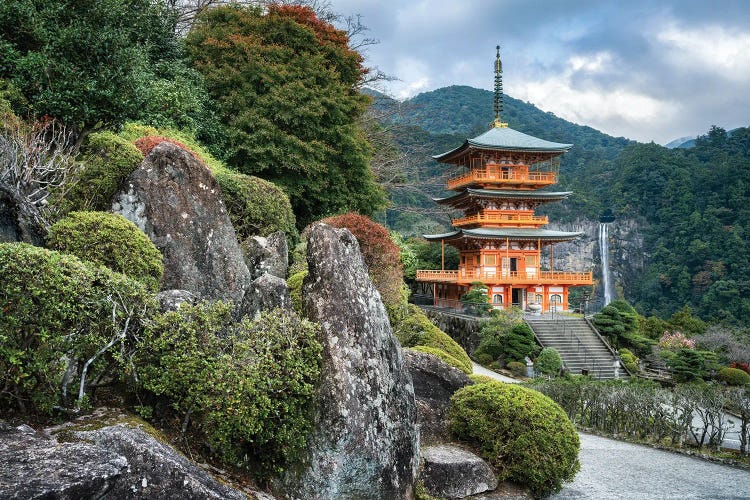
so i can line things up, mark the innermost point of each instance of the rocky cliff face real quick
(627, 256)
(365, 442)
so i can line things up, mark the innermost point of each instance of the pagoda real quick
(500, 238)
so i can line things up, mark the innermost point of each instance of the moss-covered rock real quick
(107, 161)
(110, 240)
(444, 356)
(294, 282)
(525, 435)
(417, 330)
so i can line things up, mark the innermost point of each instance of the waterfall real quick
(607, 285)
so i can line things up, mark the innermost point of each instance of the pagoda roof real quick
(500, 194)
(506, 139)
(511, 233)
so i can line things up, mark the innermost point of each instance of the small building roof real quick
(506, 139)
(501, 194)
(510, 233)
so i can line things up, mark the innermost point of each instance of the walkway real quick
(613, 469)
(481, 370)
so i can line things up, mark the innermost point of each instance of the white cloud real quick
(413, 78)
(708, 50)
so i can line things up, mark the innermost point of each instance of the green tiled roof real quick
(504, 138)
(511, 233)
(500, 194)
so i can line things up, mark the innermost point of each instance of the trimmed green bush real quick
(54, 306)
(629, 360)
(526, 436)
(481, 379)
(243, 388)
(733, 376)
(444, 356)
(255, 206)
(107, 161)
(517, 368)
(549, 361)
(294, 282)
(490, 346)
(110, 240)
(483, 358)
(519, 343)
(417, 329)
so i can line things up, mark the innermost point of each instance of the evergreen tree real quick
(286, 87)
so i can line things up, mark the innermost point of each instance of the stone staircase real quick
(581, 349)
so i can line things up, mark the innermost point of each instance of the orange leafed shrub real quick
(149, 142)
(380, 253)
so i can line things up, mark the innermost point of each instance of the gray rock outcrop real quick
(265, 293)
(19, 221)
(175, 200)
(434, 383)
(170, 300)
(452, 472)
(112, 462)
(365, 442)
(266, 255)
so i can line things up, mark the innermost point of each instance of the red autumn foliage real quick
(149, 142)
(380, 253)
(740, 366)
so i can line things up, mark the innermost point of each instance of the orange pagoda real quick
(500, 239)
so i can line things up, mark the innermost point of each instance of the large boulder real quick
(452, 472)
(19, 220)
(365, 442)
(171, 300)
(112, 462)
(265, 293)
(174, 199)
(266, 255)
(434, 383)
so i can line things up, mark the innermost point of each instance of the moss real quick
(295, 289)
(444, 356)
(481, 379)
(107, 161)
(526, 436)
(110, 240)
(417, 329)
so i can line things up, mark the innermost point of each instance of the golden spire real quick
(498, 92)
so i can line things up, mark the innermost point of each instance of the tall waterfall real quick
(607, 285)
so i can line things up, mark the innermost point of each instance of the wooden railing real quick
(492, 175)
(507, 277)
(535, 220)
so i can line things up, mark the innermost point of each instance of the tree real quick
(286, 84)
(84, 62)
(549, 361)
(476, 301)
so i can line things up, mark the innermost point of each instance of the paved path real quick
(481, 370)
(613, 469)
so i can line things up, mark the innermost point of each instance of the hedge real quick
(110, 240)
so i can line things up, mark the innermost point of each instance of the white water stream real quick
(607, 285)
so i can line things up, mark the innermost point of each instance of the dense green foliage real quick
(110, 240)
(629, 360)
(244, 388)
(619, 322)
(444, 356)
(476, 301)
(549, 361)
(517, 368)
(53, 308)
(733, 376)
(416, 329)
(285, 84)
(294, 282)
(87, 63)
(506, 337)
(523, 434)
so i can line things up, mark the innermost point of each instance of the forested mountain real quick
(692, 204)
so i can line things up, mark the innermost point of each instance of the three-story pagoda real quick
(500, 238)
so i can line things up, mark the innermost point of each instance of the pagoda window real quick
(490, 260)
(555, 299)
(539, 298)
(497, 299)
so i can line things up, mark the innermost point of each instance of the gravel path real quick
(612, 469)
(481, 370)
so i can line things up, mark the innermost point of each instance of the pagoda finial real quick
(498, 92)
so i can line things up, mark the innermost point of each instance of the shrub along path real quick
(613, 469)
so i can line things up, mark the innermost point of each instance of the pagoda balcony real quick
(506, 277)
(496, 177)
(502, 219)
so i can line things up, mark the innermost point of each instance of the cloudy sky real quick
(643, 69)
